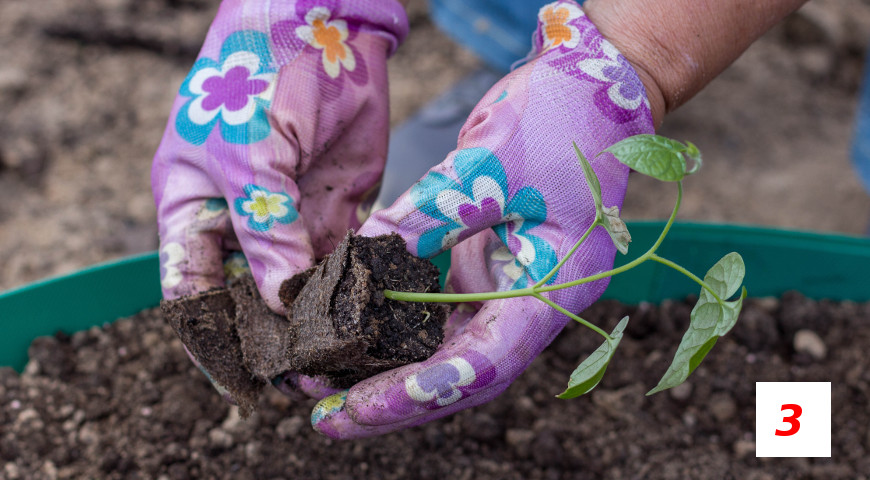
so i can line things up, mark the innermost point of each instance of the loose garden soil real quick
(124, 401)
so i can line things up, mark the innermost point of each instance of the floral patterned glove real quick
(514, 199)
(276, 141)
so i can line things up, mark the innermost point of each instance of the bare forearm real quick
(679, 46)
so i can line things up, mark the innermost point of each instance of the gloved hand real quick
(276, 141)
(514, 199)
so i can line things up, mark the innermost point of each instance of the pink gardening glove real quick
(514, 199)
(276, 141)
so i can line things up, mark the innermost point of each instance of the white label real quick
(793, 419)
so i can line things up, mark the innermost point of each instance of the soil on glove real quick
(125, 402)
(340, 325)
(344, 327)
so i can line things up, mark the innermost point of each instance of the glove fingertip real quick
(270, 275)
(331, 418)
(330, 414)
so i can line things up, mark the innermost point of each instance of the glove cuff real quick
(568, 41)
(386, 18)
(323, 20)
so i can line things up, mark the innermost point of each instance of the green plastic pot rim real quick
(820, 265)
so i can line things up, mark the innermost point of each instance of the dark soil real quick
(264, 336)
(346, 329)
(338, 325)
(125, 402)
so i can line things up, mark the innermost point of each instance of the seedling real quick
(713, 315)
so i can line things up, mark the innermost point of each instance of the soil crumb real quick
(344, 327)
(124, 401)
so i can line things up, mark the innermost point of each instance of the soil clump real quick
(206, 325)
(339, 325)
(346, 329)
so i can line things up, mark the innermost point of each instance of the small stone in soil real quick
(809, 342)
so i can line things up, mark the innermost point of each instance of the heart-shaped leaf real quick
(587, 375)
(656, 156)
(709, 320)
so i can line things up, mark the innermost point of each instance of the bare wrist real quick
(608, 19)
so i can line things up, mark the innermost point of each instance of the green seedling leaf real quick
(591, 178)
(608, 216)
(656, 156)
(710, 320)
(590, 372)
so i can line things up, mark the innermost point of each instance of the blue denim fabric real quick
(498, 31)
(861, 139)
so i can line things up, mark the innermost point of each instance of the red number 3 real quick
(791, 419)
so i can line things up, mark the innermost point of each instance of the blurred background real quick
(86, 87)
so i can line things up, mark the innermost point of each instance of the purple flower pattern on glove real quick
(623, 88)
(233, 92)
(447, 382)
(441, 382)
(479, 199)
(621, 97)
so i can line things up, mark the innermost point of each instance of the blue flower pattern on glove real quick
(482, 199)
(233, 92)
